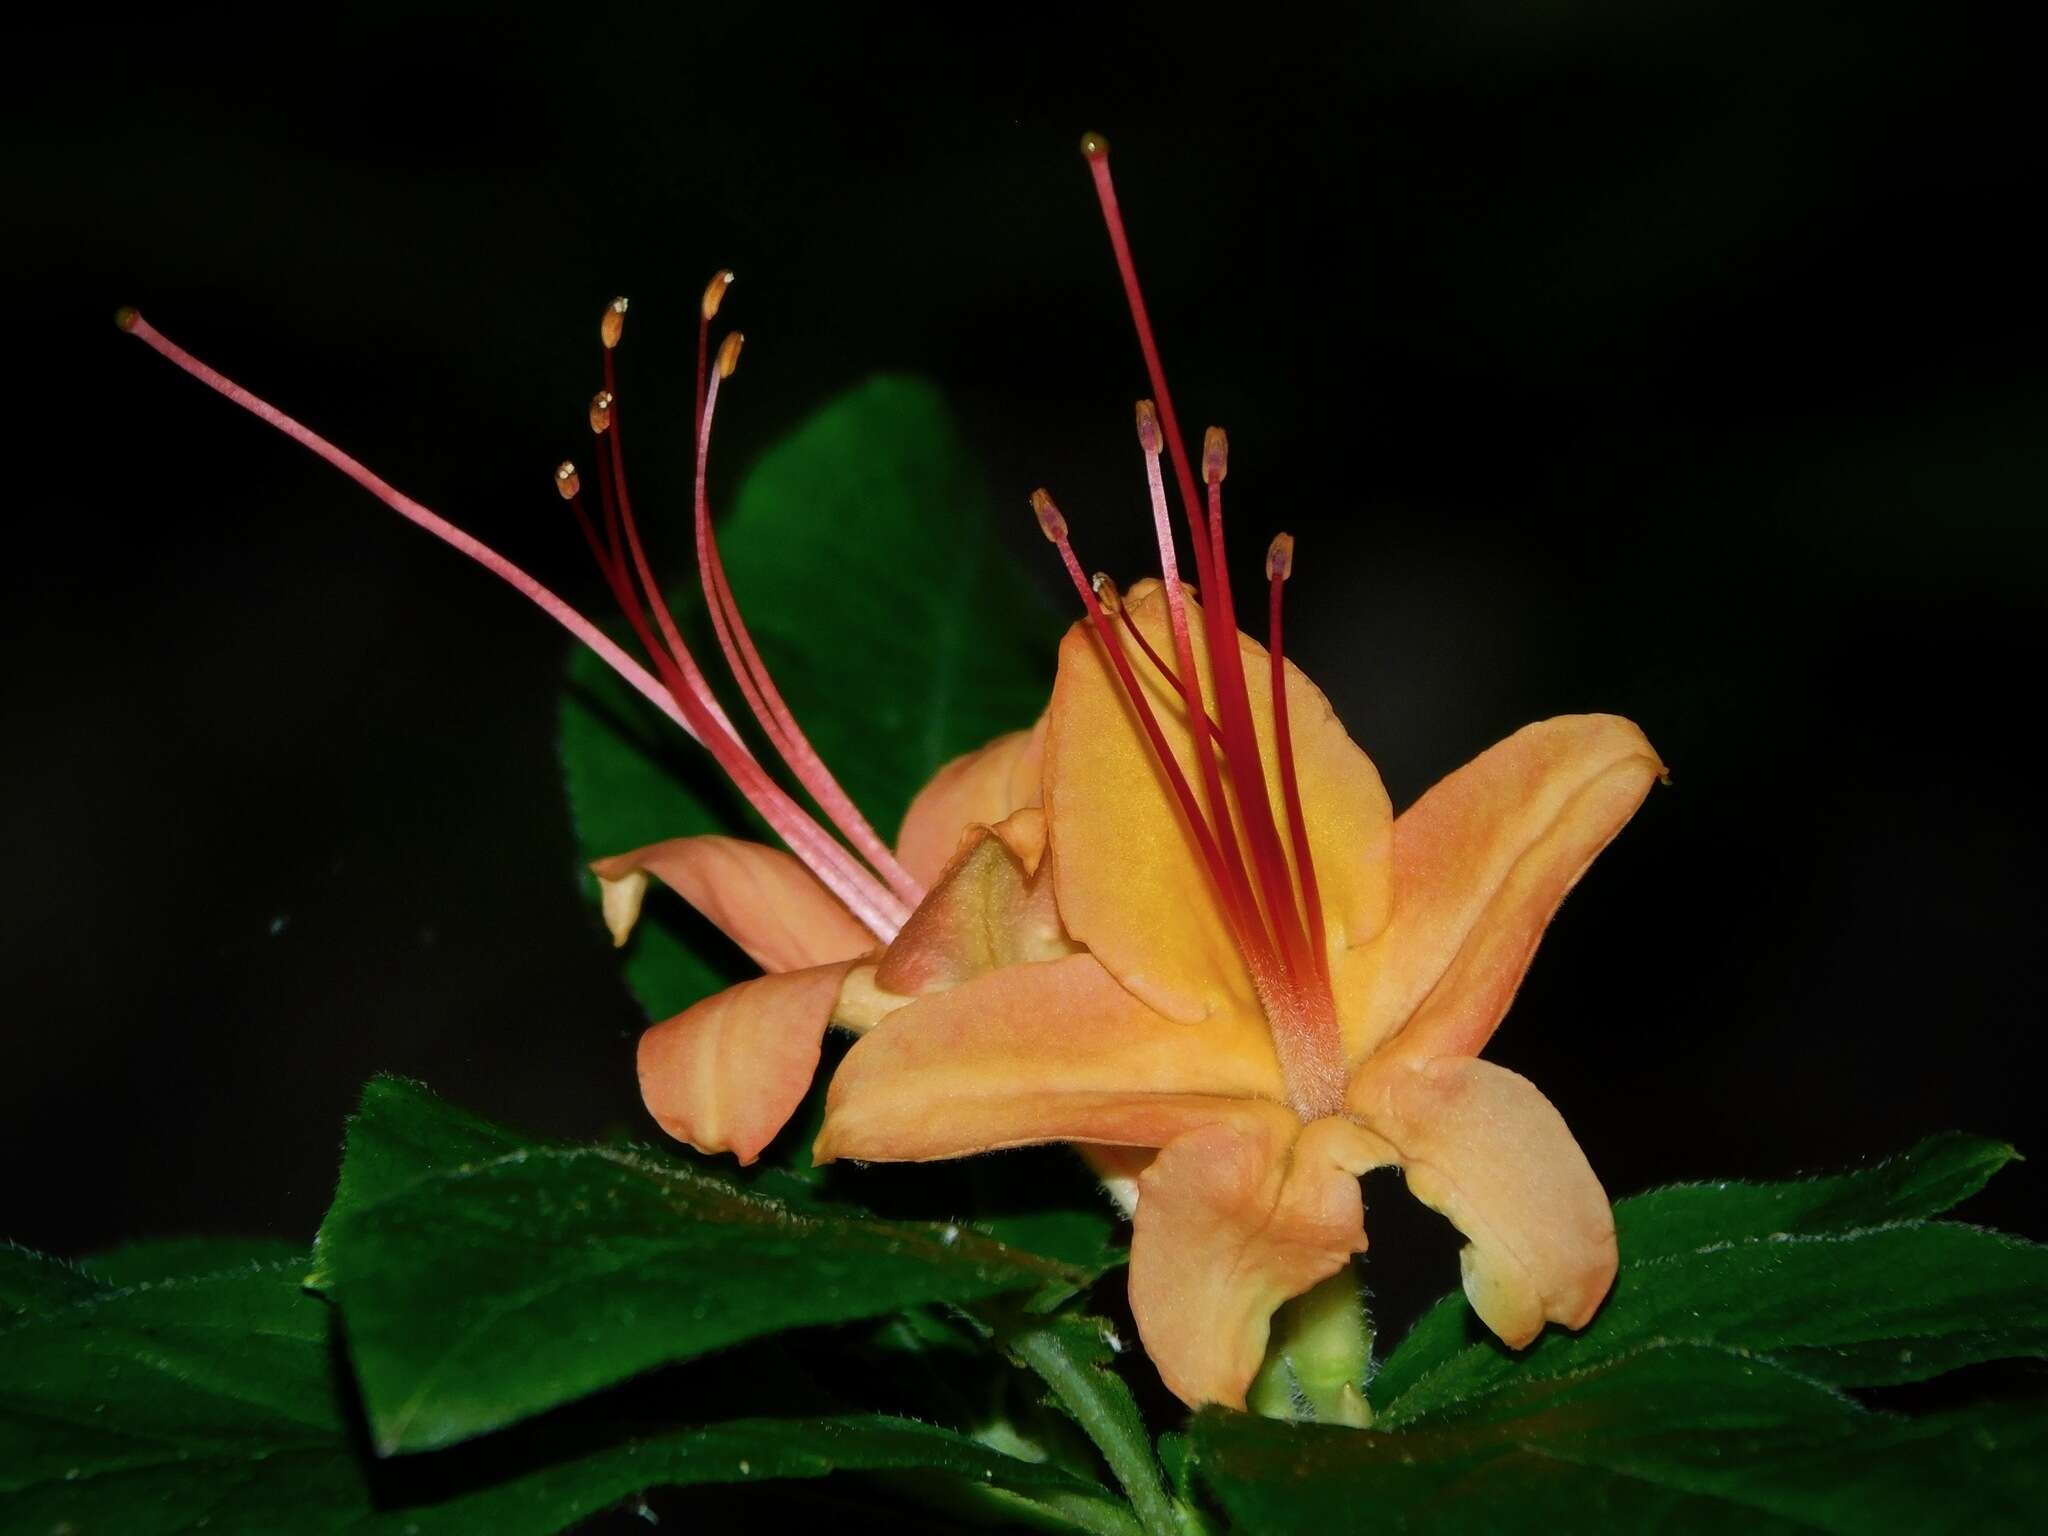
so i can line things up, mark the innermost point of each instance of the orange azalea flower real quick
(1175, 923)
(1276, 985)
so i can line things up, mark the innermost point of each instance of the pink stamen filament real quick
(897, 903)
(875, 908)
(763, 697)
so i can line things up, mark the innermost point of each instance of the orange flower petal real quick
(761, 898)
(1484, 1147)
(1233, 1220)
(1055, 1051)
(1131, 886)
(986, 911)
(1481, 863)
(981, 788)
(726, 1074)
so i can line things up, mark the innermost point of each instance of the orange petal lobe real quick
(981, 788)
(726, 1074)
(1054, 1051)
(988, 910)
(1481, 1145)
(761, 898)
(1234, 1219)
(1131, 885)
(1481, 863)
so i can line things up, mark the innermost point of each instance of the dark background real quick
(1677, 360)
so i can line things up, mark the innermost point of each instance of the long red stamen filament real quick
(749, 774)
(874, 907)
(762, 696)
(1105, 590)
(693, 675)
(1279, 566)
(1189, 680)
(1307, 1037)
(1240, 742)
(1250, 936)
(1096, 148)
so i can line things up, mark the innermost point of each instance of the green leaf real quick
(32, 1282)
(863, 555)
(1839, 1277)
(213, 1402)
(1933, 1177)
(1676, 1438)
(484, 1277)
(162, 1258)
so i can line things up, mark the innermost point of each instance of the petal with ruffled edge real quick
(761, 898)
(1234, 1219)
(991, 908)
(1055, 1051)
(1481, 1145)
(1131, 886)
(980, 788)
(726, 1074)
(1481, 863)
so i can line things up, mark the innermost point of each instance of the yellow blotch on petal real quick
(1130, 882)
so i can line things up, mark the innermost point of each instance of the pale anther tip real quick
(1280, 557)
(714, 291)
(613, 325)
(601, 411)
(1215, 455)
(729, 354)
(127, 317)
(1148, 427)
(1094, 146)
(1106, 592)
(567, 481)
(1050, 522)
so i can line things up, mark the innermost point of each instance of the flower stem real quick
(1097, 1400)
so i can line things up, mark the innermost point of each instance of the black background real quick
(1677, 360)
